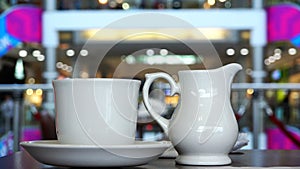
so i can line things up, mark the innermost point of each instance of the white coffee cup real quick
(96, 111)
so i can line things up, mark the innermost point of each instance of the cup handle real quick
(163, 122)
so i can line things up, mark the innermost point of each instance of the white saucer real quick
(53, 153)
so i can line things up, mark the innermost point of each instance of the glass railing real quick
(146, 4)
(278, 106)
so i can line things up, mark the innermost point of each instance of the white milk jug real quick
(203, 128)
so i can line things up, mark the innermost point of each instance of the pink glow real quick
(283, 22)
(24, 23)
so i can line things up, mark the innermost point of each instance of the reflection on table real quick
(244, 158)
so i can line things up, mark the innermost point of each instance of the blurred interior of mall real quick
(43, 40)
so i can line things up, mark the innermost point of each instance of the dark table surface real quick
(243, 158)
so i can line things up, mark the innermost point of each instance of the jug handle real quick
(163, 122)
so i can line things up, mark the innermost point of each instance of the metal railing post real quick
(258, 76)
(17, 120)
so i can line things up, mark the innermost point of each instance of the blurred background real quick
(41, 40)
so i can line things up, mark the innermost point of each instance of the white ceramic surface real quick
(96, 111)
(203, 128)
(53, 153)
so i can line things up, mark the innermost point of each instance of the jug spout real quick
(231, 69)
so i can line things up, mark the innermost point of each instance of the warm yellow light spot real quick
(250, 91)
(295, 95)
(103, 2)
(29, 92)
(245, 35)
(125, 6)
(206, 5)
(211, 2)
(31, 80)
(39, 92)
